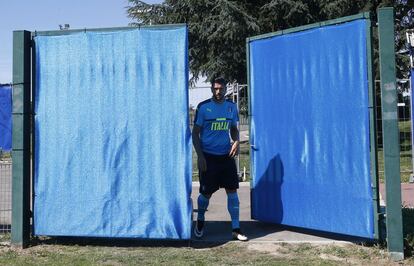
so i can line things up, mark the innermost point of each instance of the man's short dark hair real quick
(219, 80)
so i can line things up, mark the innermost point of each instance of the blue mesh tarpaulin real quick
(5, 117)
(112, 139)
(310, 130)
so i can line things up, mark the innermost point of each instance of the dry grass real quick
(234, 253)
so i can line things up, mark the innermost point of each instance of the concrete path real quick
(407, 194)
(244, 133)
(218, 226)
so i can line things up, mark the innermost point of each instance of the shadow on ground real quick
(216, 233)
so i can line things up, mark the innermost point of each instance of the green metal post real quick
(390, 133)
(373, 131)
(21, 139)
(249, 114)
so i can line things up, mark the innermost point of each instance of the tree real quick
(339, 8)
(404, 20)
(218, 28)
(282, 14)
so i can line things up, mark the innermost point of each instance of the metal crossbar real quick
(404, 122)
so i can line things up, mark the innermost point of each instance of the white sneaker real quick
(238, 235)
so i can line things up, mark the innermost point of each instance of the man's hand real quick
(202, 164)
(234, 149)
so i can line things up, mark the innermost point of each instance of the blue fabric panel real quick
(5, 117)
(310, 130)
(112, 144)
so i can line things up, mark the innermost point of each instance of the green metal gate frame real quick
(23, 67)
(390, 133)
(24, 70)
(386, 24)
(21, 139)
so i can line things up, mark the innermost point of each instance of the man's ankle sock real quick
(233, 208)
(202, 202)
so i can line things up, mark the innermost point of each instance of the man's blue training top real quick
(215, 120)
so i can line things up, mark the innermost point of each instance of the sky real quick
(42, 15)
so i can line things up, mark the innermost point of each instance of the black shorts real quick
(221, 173)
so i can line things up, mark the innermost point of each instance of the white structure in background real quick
(199, 92)
(202, 91)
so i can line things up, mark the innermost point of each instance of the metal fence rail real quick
(5, 196)
(404, 95)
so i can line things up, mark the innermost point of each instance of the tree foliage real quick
(218, 28)
(404, 20)
(339, 8)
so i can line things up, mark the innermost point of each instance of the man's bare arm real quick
(234, 133)
(201, 161)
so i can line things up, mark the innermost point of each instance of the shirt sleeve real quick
(199, 117)
(235, 117)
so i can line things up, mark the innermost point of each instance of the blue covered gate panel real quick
(5, 117)
(310, 129)
(112, 140)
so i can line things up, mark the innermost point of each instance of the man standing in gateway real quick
(214, 119)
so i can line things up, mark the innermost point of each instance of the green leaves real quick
(218, 28)
(282, 14)
(339, 8)
(217, 32)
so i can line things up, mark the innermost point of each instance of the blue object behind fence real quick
(112, 149)
(5, 117)
(310, 130)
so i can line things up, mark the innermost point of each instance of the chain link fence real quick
(404, 125)
(5, 193)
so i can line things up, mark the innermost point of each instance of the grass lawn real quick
(84, 251)
(405, 153)
(234, 253)
(405, 165)
(404, 126)
(6, 156)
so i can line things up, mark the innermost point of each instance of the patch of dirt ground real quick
(343, 253)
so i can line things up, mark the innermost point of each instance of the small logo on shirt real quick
(208, 110)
